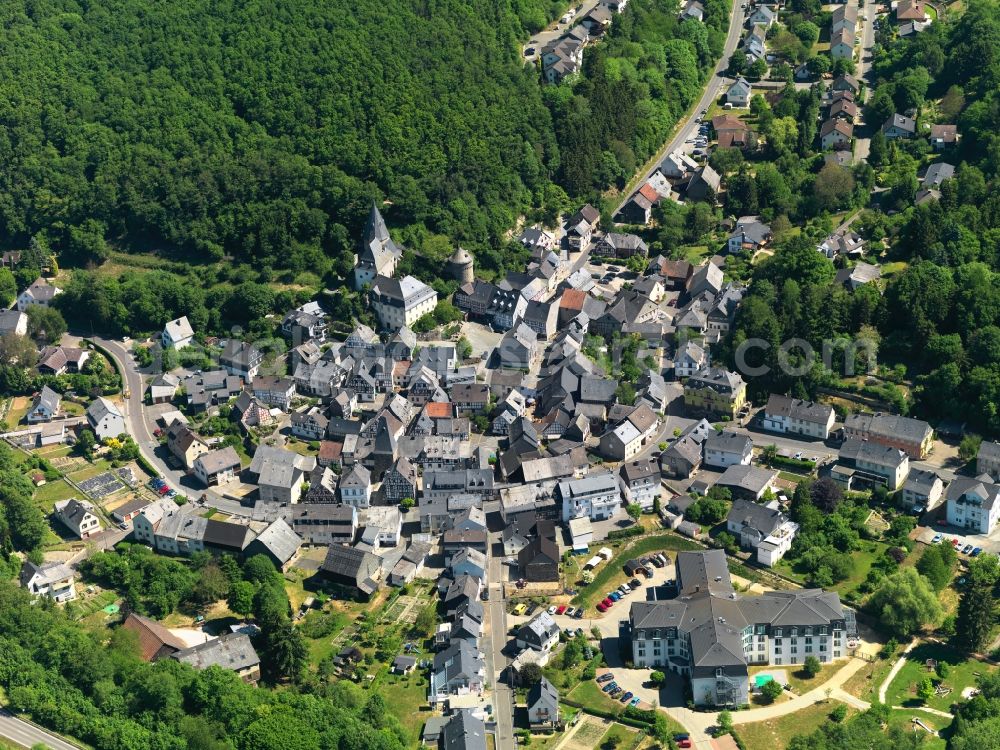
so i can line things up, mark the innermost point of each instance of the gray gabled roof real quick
(280, 540)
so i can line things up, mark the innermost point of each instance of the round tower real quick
(461, 266)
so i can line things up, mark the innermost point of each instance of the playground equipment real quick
(918, 723)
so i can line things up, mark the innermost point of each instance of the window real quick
(777, 662)
(777, 633)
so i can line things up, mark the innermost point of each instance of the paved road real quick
(862, 145)
(496, 660)
(23, 734)
(135, 416)
(709, 95)
(555, 29)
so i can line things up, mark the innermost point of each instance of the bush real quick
(771, 691)
(146, 466)
(839, 713)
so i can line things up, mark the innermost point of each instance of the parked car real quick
(657, 561)
(967, 549)
(605, 677)
(561, 609)
(624, 589)
(662, 557)
(602, 607)
(608, 688)
(614, 596)
(634, 701)
(684, 743)
(579, 614)
(634, 583)
(977, 551)
(607, 602)
(552, 609)
(570, 611)
(519, 609)
(937, 539)
(531, 609)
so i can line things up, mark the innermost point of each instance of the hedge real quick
(792, 463)
(631, 531)
(621, 718)
(146, 466)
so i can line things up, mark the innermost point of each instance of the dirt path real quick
(894, 671)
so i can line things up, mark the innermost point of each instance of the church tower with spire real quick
(377, 253)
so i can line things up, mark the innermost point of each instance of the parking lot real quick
(965, 544)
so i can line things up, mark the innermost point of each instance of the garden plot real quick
(102, 485)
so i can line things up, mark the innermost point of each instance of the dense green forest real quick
(96, 689)
(264, 131)
(635, 86)
(938, 321)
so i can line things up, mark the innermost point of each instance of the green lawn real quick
(863, 560)
(51, 492)
(961, 675)
(798, 680)
(905, 720)
(588, 693)
(618, 736)
(610, 574)
(777, 733)
(407, 698)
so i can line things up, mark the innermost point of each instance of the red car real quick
(164, 490)
(607, 603)
(601, 607)
(561, 609)
(684, 743)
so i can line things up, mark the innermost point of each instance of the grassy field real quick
(962, 674)
(407, 699)
(905, 720)
(51, 492)
(619, 736)
(777, 733)
(865, 682)
(863, 560)
(18, 408)
(610, 575)
(588, 693)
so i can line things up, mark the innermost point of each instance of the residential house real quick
(724, 449)
(155, 641)
(539, 633)
(750, 235)
(750, 482)
(400, 482)
(44, 407)
(988, 459)
(280, 473)
(538, 560)
(973, 504)
(921, 491)
(835, 133)
(764, 16)
(217, 467)
(469, 562)
(937, 173)
(580, 226)
(614, 245)
(563, 56)
(305, 324)
(79, 516)
(13, 322)
(241, 359)
(865, 464)
(543, 705)
(458, 670)
(943, 136)
(678, 165)
(845, 243)
(715, 391)
(463, 730)
(211, 388)
(689, 359)
(640, 483)
(163, 388)
(51, 579)
(325, 524)
(278, 542)
(739, 93)
(844, 16)
(356, 487)
(232, 652)
(401, 302)
(694, 10)
(184, 444)
(899, 126)
(858, 275)
(55, 360)
(310, 424)
(596, 496)
(105, 419)
(177, 334)
(351, 568)
(706, 278)
(732, 132)
(639, 208)
(40, 293)
(913, 436)
(710, 634)
(911, 10)
(792, 415)
(763, 528)
(274, 391)
(704, 185)
(842, 43)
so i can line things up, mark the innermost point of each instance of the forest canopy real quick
(263, 131)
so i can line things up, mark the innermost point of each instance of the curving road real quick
(711, 92)
(24, 734)
(135, 417)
